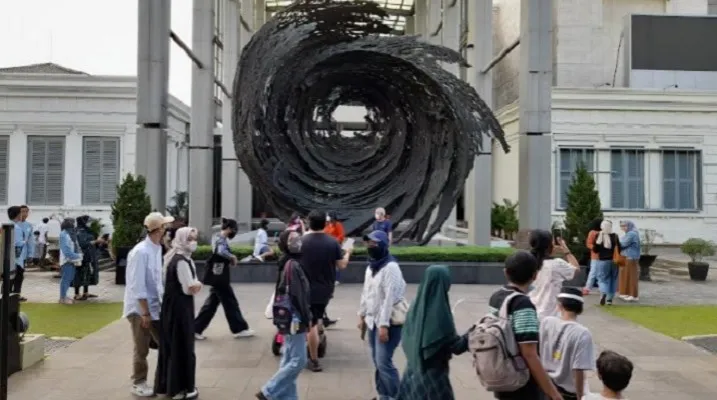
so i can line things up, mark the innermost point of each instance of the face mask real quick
(193, 246)
(231, 235)
(530, 288)
(375, 253)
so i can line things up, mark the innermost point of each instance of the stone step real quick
(676, 271)
(668, 263)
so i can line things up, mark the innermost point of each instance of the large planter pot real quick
(121, 265)
(698, 271)
(645, 262)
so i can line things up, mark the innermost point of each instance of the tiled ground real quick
(98, 367)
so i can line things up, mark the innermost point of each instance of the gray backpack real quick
(496, 358)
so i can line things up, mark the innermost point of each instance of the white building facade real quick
(67, 139)
(647, 135)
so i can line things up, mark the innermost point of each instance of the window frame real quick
(625, 176)
(118, 159)
(5, 171)
(558, 171)
(28, 174)
(698, 179)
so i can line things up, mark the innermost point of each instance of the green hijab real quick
(429, 324)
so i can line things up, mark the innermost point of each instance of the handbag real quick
(398, 312)
(618, 258)
(213, 273)
(282, 310)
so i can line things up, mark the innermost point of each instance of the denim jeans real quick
(606, 272)
(592, 275)
(67, 274)
(282, 386)
(386, 375)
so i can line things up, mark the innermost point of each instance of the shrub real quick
(504, 219)
(408, 253)
(647, 240)
(697, 249)
(128, 212)
(96, 227)
(180, 206)
(583, 206)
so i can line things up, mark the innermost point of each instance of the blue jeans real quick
(592, 277)
(606, 273)
(282, 386)
(67, 274)
(386, 375)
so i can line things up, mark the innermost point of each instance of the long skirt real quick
(430, 384)
(628, 279)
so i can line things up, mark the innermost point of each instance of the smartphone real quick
(557, 235)
(348, 244)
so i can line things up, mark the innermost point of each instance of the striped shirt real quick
(521, 312)
(380, 293)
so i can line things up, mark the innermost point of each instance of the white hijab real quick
(603, 237)
(180, 244)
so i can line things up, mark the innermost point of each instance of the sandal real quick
(90, 296)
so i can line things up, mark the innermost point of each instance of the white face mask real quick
(193, 247)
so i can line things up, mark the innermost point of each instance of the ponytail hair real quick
(541, 244)
(228, 223)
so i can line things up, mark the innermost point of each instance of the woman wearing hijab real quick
(594, 229)
(430, 340)
(296, 224)
(380, 307)
(70, 258)
(605, 245)
(89, 273)
(176, 363)
(292, 284)
(628, 275)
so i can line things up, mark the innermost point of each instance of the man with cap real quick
(566, 346)
(142, 295)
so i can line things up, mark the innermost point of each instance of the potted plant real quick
(697, 250)
(647, 243)
(128, 212)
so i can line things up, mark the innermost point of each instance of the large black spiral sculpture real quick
(425, 126)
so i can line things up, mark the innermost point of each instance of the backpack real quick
(282, 309)
(496, 358)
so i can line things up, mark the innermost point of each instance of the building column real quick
(152, 97)
(201, 141)
(244, 189)
(433, 21)
(451, 38)
(230, 165)
(17, 160)
(478, 192)
(420, 12)
(535, 142)
(72, 195)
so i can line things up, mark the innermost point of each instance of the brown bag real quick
(618, 258)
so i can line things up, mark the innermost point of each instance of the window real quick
(4, 143)
(45, 170)
(568, 162)
(681, 180)
(627, 180)
(100, 170)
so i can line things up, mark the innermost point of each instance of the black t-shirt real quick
(319, 253)
(526, 329)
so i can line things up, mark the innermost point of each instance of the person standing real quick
(28, 231)
(629, 274)
(70, 258)
(382, 223)
(335, 229)
(552, 272)
(41, 251)
(217, 276)
(142, 298)
(605, 245)
(177, 362)
(89, 273)
(321, 256)
(293, 286)
(430, 339)
(14, 214)
(262, 250)
(593, 230)
(383, 290)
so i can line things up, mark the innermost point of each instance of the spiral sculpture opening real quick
(424, 125)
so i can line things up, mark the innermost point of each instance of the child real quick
(615, 372)
(521, 269)
(566, 347)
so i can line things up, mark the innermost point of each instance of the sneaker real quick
(635, 299)
(314, 366)
(186, 396)
(329, 322)
(142, 390)
(244, 333)
(198, 336)
(259, 258)
(609, 302)
(622, 296)
(603, 298)
(628, 298)
(261, 396)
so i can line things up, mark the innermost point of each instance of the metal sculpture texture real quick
(425, 126)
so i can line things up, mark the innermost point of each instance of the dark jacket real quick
(298, 291)
(605, 254)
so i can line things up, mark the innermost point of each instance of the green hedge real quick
(408, 253)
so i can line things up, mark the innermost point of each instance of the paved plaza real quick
(98, 366)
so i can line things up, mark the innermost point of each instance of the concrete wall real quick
(712, 7)
(601, 119)
(506, 28)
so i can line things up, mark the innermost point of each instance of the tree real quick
(128, 212)
(180, 206)
(583, 206)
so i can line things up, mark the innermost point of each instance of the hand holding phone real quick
(348, 244)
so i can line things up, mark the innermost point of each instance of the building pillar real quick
(17, 159)
(152, 97)
(201, 141)
(420, 12)
(244, 189)
(72, 195)
(230, 164)
(451, 38)
(478, 192)
(433, 21)
(535, 142)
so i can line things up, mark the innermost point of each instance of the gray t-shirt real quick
(560, 354)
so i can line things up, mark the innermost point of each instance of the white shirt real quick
(144, 279)
(261, 240)
(43, 229)
(547, 286)
(380, 294)
(184, 275)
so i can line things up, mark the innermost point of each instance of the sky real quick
(94, 36)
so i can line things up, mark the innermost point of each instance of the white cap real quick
(156, 220)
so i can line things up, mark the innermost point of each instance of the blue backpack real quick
(283, 310)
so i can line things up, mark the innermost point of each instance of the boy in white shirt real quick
(615, 372)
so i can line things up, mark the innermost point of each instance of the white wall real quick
(74, 106)
(601, 119)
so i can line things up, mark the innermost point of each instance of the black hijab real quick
(594, 225)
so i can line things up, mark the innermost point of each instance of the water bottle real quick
(295, 324)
